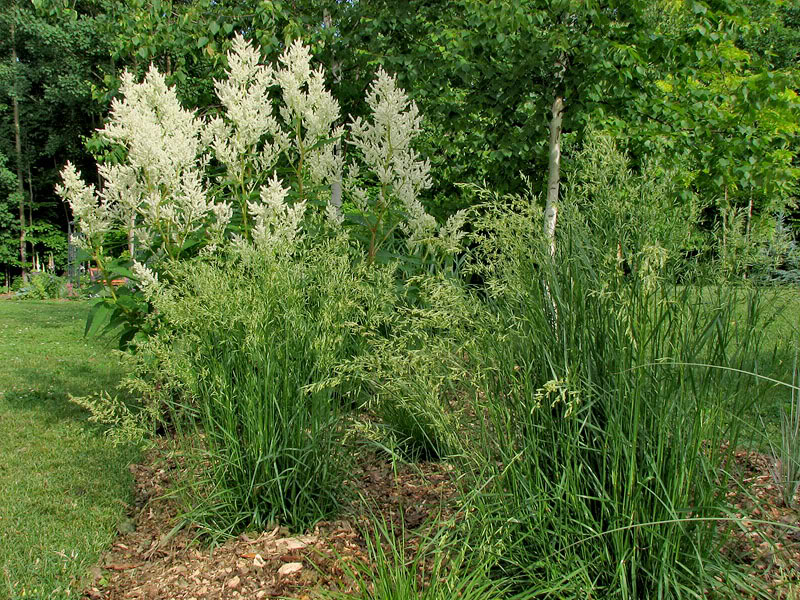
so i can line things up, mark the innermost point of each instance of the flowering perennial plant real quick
(385, 142)
(190, 185)
(96, 213)
(161, 190)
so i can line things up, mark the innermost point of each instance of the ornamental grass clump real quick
(415, 375)
(436, 567)
(248, 336)
(246, 277)
(786, 456)
(601, 460)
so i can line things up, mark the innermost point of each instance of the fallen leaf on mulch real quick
(289, 568)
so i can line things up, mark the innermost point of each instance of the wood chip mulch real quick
(766, 533)
(146, 563)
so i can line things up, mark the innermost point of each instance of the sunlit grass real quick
(64, 487)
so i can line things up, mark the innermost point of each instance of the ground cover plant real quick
(64, 485)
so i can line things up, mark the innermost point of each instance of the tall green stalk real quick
(601, 450)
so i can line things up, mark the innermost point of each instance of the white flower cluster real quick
(385, 142)
(148, 280)
(249, 140)
(160, 136)
(277, 224)
(162, 181)
(161, 191)
(95, 216)
(310, 111)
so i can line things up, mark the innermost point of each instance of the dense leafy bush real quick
(43, 286)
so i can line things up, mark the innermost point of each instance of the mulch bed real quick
(767, 537)
(146, 563)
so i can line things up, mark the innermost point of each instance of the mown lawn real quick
(776, 360)
(64, 487)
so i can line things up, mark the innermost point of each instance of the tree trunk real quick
(18, 144)
(554, 173)
(30, 205)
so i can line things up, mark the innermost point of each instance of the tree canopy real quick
(709, 85)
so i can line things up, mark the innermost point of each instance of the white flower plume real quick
(277, 225)
(385, 141)
(161, 137)
(248, 120)
(148, 279)
(309, 112)
(161, 186)
(94, 215)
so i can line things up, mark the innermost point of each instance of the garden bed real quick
(146, 563)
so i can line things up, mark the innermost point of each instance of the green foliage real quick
(594, 456)
(65, 488)
(47, 240)
(58, 50)
(485, 75)
(390, 574)
(786, 454)
(639, 219)
(43, 286)
(188, 40)
(252, 341)
(412, 374)
(603, 438)
(730, 110)
(9, 223)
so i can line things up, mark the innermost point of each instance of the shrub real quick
(43, 286)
